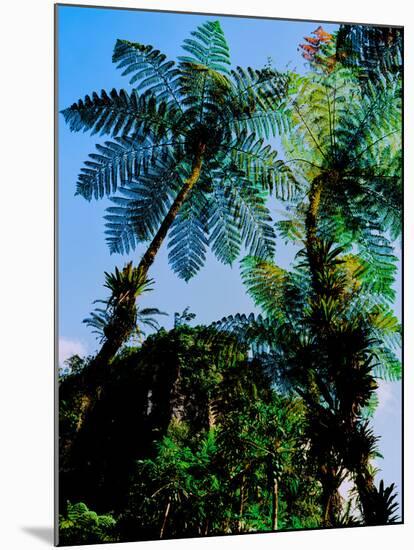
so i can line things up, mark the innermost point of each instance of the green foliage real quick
(380, 506)
(213, 437)
(372, 52)
(251, 424)
(221, 479)
(125, 286)
(351, 140)
(184, 317)
(326, 340)
(83, 526)
(158, 128)
(72, 366)
(177, 491)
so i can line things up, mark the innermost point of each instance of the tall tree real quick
(188, 155)
(345, 144)
(329, 323)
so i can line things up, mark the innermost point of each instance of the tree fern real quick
(157, 127)
(121, 113)
(350, 139)
(187, 142)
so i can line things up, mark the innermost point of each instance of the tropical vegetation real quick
(258, 421)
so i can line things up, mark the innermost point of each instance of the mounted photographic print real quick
(229, 248)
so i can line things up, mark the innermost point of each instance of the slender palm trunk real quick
(241, 504)
(275, 503)
(165, 519)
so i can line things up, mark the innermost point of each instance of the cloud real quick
(386, 395)
(68, 347)
(346, 487)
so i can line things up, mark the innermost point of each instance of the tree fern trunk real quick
(364, 482)
(112, 345)
(327, 476)
(157, 241)
(311, 224)
(329, 501)
(109, 349)
(118, 337)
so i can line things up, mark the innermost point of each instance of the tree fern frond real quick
(291, 230)
(208, 47)
(261, 166)
(387, 366)
(224, 237)
(253, 330)
(203, 81)
(150, 70)
(255, 220)
(373, 51)
(123, 113)
(258, 101)
(189, 236)
(120, 160)
(142, 205)
(265, 283)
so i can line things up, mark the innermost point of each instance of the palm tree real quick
(188, 155)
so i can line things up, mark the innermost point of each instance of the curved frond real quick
(224, 237)
(148, 70)
(120, 160)
(254, 330)
(373, 51)
(141, 206)
(265, 283)
(189, 236)
(123, 113)
(261, 166)
(203, 80)
(257, 101)
(208, 47)
(250, 213)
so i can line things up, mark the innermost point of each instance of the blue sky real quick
(85, 44)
